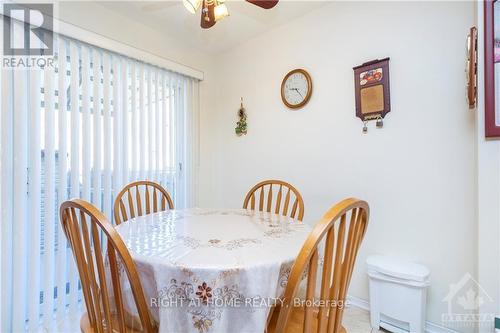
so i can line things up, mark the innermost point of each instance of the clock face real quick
(296, 88)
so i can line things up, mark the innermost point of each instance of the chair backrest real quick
(287, 199)
(141, 197)
(88, 231)
(343, 235)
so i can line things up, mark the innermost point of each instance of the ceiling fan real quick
(215, 10)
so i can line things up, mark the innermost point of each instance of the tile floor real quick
(356, 320)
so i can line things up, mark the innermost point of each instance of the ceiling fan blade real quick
(209, 5)
(266, 4)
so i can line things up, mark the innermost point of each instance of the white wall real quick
(418, 173)
(488, 194)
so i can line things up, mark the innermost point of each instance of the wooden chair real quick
(282, 200)
(85, 228)
(154, 194)
(343, 236)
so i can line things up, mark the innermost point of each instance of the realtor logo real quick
(28, 29)
(464, 300)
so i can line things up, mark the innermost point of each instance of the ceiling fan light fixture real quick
(192, 5)
(220, 11)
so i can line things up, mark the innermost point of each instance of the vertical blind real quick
(85, 128)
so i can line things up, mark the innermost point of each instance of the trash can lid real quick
(397, 268)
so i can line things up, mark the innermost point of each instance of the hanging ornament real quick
(365, 127)
(380, 122)
(205, 11)
(207, 14)
(241, 125)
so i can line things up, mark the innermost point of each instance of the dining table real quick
(212, 270)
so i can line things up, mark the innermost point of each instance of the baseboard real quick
(358, 302)
(429, 327)
(434, 328)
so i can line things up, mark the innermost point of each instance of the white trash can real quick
(398, 291)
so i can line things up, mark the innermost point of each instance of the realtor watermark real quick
(28, 37)
(243, 302)
(464, 301)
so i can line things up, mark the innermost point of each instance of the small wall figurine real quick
(241, 125)
(373, 98)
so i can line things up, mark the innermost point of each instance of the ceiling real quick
(245, 21)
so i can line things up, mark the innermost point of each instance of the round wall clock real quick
(296, 89)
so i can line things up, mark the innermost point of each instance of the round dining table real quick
(212, 270)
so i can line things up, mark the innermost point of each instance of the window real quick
(85, 128)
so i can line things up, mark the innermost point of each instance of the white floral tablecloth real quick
(212, 270)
